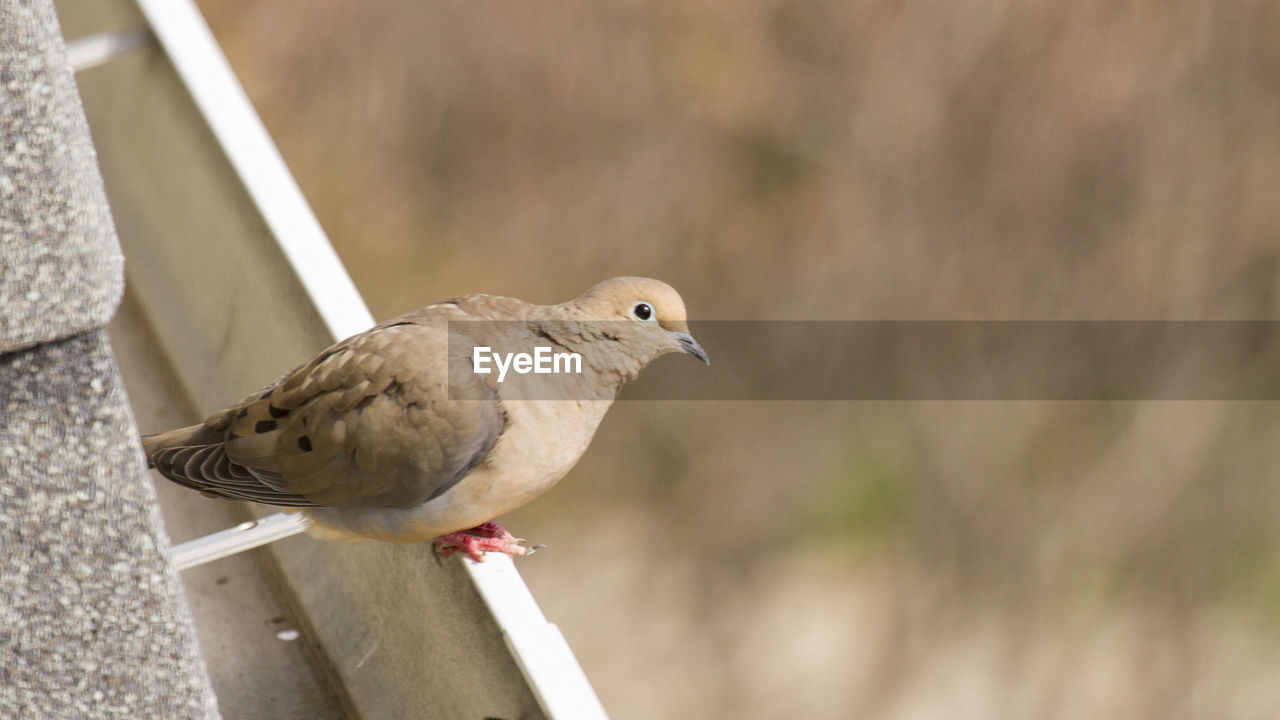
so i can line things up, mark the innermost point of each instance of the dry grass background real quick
(818, 159)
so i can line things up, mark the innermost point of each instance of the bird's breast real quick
(542, 442)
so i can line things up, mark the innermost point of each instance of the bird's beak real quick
(691, 346)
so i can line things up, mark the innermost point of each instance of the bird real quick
(411, 431)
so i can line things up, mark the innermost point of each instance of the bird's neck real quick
(605, 358)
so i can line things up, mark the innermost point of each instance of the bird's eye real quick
(642, 311)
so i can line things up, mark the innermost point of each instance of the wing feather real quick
(367, 422)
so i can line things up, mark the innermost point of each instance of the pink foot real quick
(485, 537)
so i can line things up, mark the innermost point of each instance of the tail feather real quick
(195, 457)
(192, 435)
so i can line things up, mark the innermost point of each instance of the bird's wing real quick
(367, 423)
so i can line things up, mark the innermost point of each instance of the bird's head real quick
(648, 315)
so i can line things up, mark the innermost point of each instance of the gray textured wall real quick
(92, 621)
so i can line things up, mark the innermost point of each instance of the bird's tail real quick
(182, 437)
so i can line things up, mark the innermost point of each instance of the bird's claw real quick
(476, 541)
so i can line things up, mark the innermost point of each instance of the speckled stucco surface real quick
(61, 270)
(90, 622)
(92, 619)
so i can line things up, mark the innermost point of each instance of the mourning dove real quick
(377, 438)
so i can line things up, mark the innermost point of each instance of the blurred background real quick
(826, 160)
